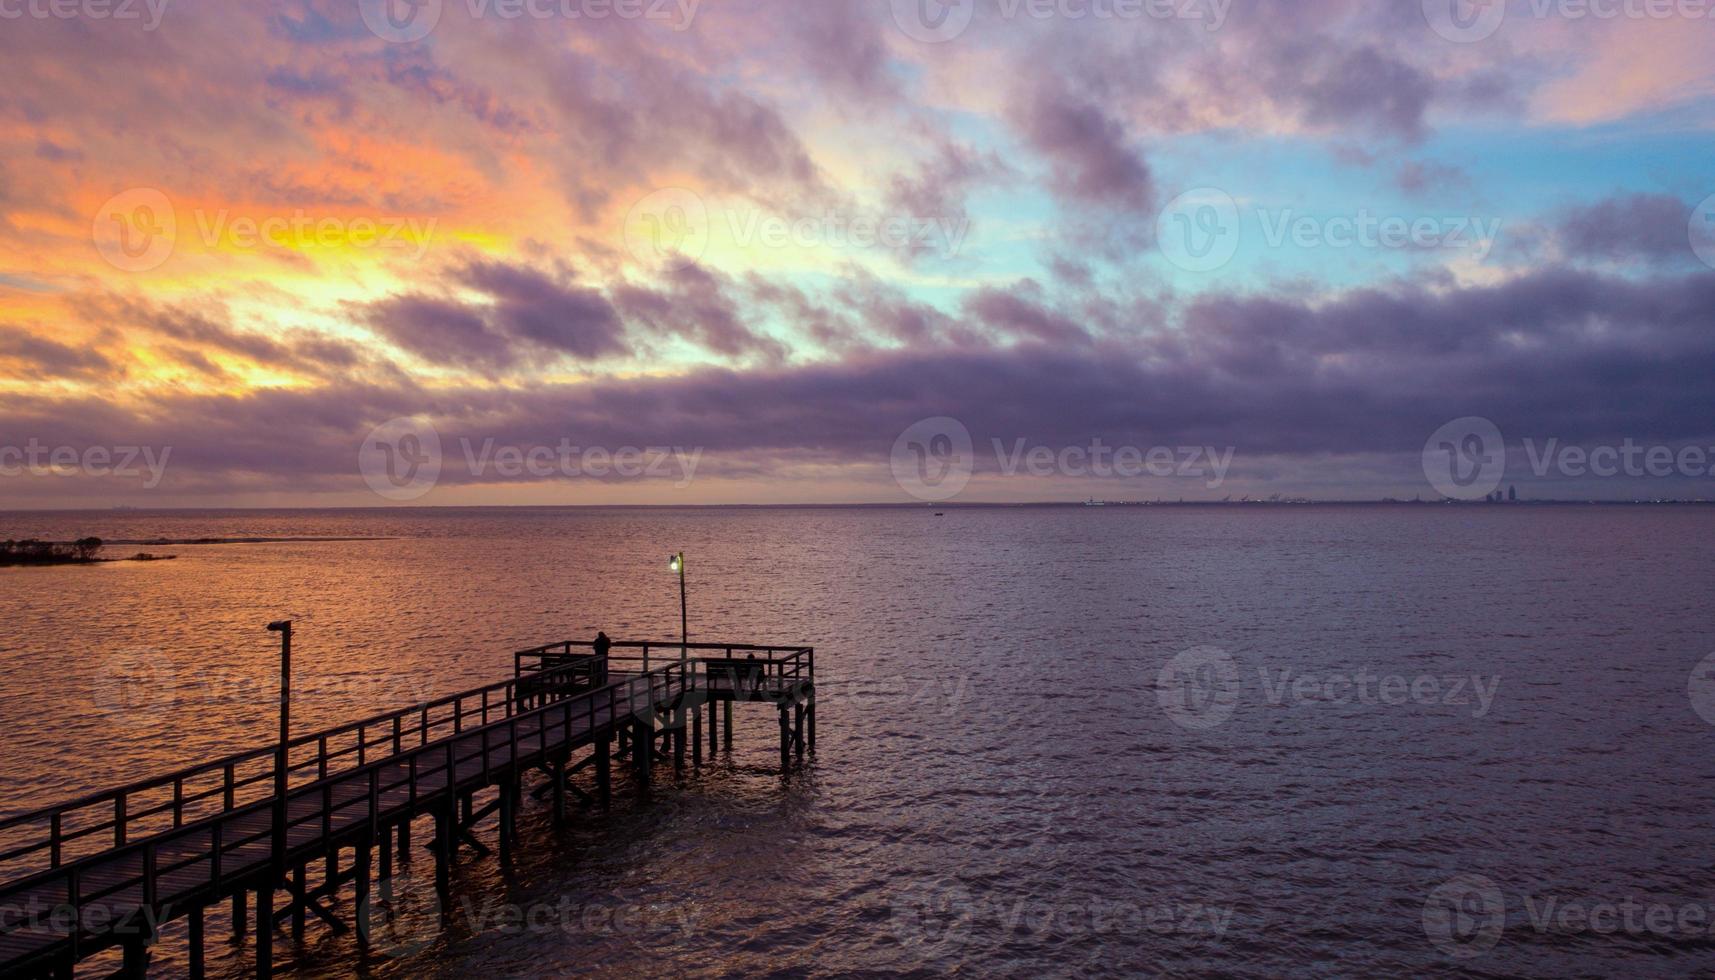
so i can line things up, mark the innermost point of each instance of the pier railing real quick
(767, 668)
(220, 851)
(97, 822)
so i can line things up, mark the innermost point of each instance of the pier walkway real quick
(109, 869)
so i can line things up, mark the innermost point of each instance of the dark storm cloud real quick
(1557, 354)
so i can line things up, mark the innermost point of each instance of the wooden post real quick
(785, 741)
(240, 914)
(557, 770)
(385, 853)
(136, 958)
(696, 734)
(726, 723)
(282, 756)
(678, 738)
(810, 716)
(297, 906)
(505, 822)
(445, 823)
(362, 860)
(265, 932)
(195, 940)
(643, 751)
(604, 770)
(798, 728)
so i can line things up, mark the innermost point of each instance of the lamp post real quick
(677, 563)
(284, 628)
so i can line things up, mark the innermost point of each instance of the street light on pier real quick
(676, 562)
(284, 628)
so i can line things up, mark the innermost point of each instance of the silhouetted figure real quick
(602, 646)
(752, 674)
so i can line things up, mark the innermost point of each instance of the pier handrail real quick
(660, 686)
(797, 662)
(174, 800)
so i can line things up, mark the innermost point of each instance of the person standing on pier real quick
(602, 645)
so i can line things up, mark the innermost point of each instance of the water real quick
(1005, 782)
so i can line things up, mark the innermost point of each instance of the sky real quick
(448, 252)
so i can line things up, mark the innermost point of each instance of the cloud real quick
(1092, 152)
(28, 354)
(1419, 177)
(1648, 227)
(1557, 354)
(525, 314)
(695, 304)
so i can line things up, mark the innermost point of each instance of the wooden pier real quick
(109, 869)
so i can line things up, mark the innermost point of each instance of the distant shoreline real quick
(159, 542)
(59, 562)
(950, 505)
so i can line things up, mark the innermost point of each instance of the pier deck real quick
(110, 868)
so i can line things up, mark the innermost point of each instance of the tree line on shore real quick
(33, 552)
